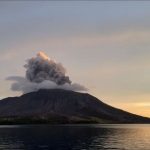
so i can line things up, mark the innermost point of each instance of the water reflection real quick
(75, 137)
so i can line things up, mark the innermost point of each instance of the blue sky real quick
(103, 45)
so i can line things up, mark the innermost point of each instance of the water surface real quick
(75, 137)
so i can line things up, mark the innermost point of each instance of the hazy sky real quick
(104, 46)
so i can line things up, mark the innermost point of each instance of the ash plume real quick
(41, 68)
(43, 73)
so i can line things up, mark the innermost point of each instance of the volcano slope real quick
(57, 106)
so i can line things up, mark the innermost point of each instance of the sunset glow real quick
(43, 55)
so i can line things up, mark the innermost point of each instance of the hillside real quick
(62, 106)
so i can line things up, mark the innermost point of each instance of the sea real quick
(75, 137)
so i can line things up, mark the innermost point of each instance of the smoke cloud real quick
(43, 73)
(41, 68)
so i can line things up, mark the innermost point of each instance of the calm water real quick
(75, 137)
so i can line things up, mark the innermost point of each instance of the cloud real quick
(22, 84)
(43, 73)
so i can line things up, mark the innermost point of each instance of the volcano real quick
(62, 106)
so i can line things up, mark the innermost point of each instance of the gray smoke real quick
(43, 73)
(41, 68)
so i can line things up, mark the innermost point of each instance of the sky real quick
(104, 46)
